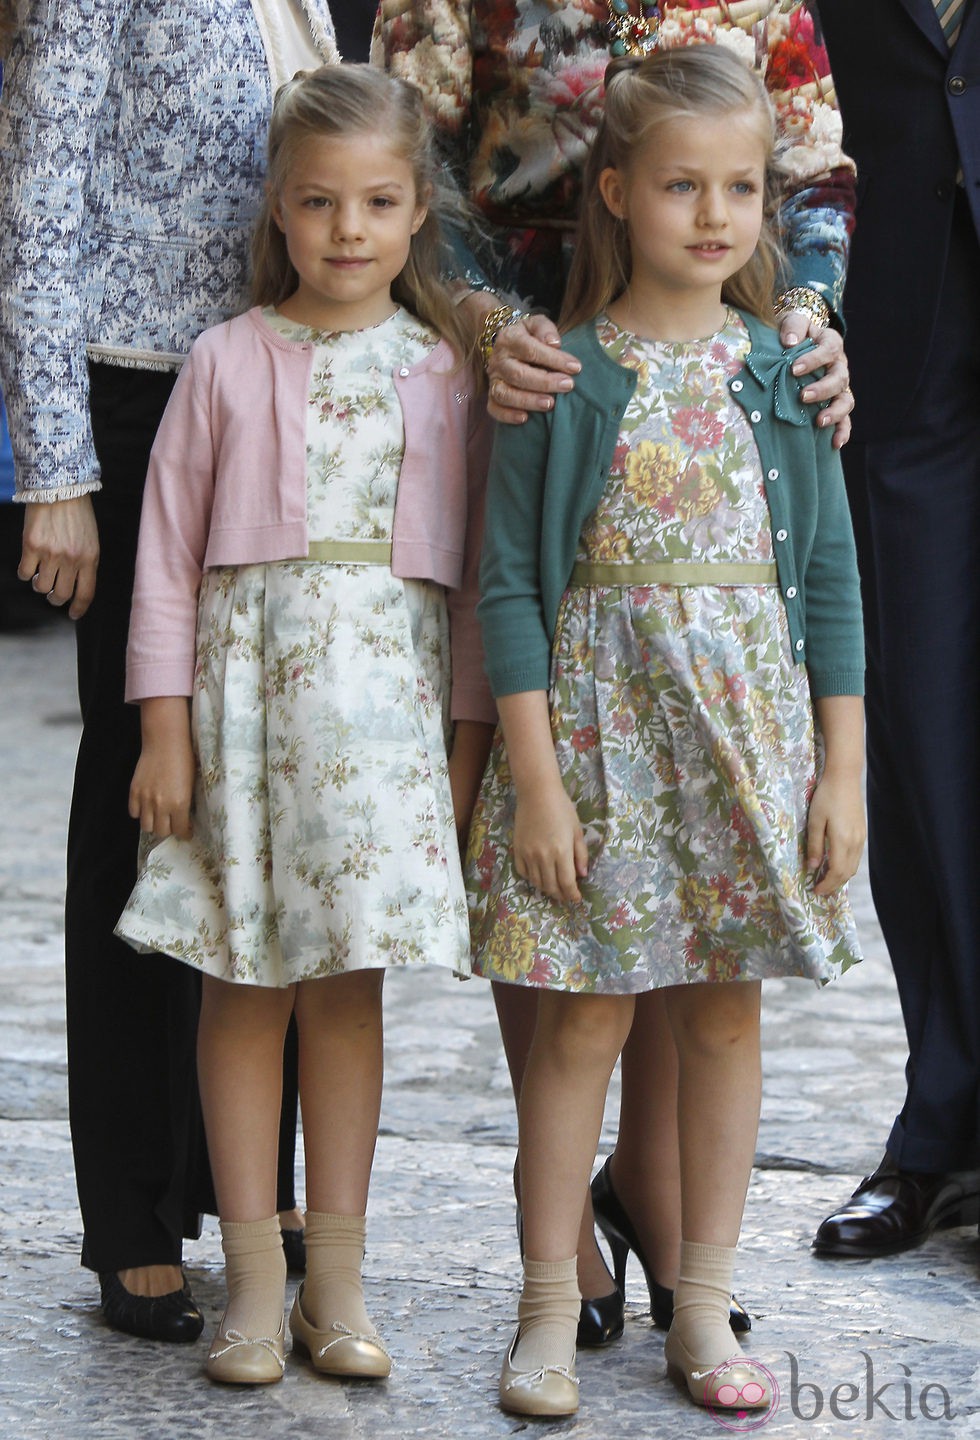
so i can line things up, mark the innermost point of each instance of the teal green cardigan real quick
(547, 476)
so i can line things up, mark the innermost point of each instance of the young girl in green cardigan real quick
(672, 627)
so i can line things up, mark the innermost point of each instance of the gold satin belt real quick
(674, 572)
(349, 552)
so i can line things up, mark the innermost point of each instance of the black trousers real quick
(140, 1157)
(915, 499)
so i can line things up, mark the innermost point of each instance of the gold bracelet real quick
(493, 322)
(804, 300)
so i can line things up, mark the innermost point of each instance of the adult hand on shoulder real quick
(527, 369)
(835, 384)
(60, 552)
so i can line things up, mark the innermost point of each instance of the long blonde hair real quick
(335, 101)
(642, 94)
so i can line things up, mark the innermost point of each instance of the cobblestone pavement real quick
(899, 1335)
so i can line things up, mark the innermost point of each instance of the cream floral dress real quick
(683, 728)
(324, 838)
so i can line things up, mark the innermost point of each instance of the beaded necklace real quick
(631, 34)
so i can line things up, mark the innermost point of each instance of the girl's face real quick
(692, 199)
(348, 210)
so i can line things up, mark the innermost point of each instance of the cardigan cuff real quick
(836, 682)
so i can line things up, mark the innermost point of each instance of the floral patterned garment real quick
(683, 727)
(515, 91)
(324, 837)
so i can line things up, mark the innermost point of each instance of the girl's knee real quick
(584, 1027)
(261, 1007)
(352, 999)
(707, 1018)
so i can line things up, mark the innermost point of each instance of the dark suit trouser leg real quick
(916, 504)
(140, 1161)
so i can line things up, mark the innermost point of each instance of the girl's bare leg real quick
(240, 1043)
(517, 1012)
(341, 1067)
(716, 1031)
(239, 1060)
(576, 1044)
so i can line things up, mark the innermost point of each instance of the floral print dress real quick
(683, 728)
(324, 838)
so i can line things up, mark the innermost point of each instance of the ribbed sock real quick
(702, 1298)
(255, 1272)
(547, 1314)
(333, 1292)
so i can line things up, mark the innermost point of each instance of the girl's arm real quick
(163, 782)
(836, 826)
(549, 845)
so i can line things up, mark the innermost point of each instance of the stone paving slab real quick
(442, 1268)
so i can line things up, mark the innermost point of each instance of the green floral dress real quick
(683, 728)
(324, 837)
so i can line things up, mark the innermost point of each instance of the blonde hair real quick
(642, 94)
(335, 101)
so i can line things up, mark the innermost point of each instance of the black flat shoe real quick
(600, 1321)
(621, 1238)
(894, 1210)
(173, 1317)
(294, 1247)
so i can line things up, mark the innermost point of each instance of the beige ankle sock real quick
(547, 1314)
(702, 1297)
(255, 1273)
(332, 1291)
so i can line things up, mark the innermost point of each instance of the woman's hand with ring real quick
(527, 369)
(827, 355)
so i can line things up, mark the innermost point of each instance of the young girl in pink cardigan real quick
(302, 648)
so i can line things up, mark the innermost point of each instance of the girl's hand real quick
(835, 384)
(549, 846)
(527, 369)
(163, 782)
(835, 832)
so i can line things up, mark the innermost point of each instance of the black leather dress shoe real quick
(894, 1210)
(173, 1317)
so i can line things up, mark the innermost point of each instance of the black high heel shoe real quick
(621, 1238)
(294, 1248)
(600, 1321)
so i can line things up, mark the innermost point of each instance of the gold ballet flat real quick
(548, 1390)
(735, 1384)
(338, 1350)
(237, 1359)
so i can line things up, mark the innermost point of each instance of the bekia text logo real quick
(743, 1405)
